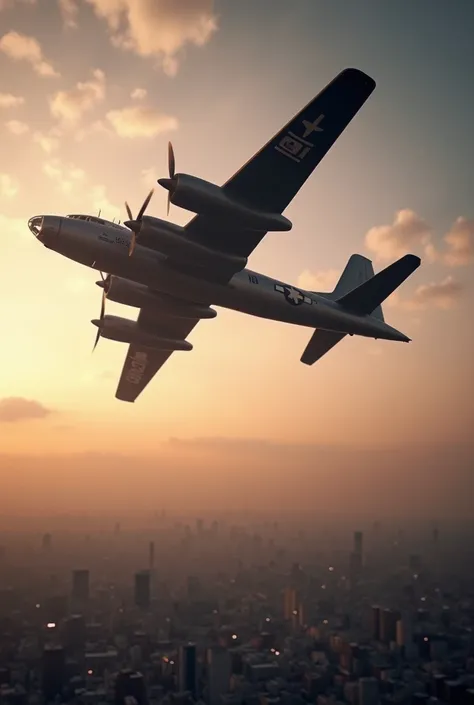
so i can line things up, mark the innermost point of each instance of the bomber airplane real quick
(175, 274)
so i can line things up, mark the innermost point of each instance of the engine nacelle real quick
(170, 240)
(124, 330)
(129, 293)
(200, 196)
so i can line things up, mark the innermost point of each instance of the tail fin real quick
(368, 296)
(358, 270)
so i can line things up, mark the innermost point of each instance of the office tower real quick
(219, 672)
(187, 669)
(388, 625)
(368, 691)
(289, 603)
(151, 555)
(53, 676)
(129, 688)
(74, 634)
(80, 585)
(358, 543)
(199, 525)
(47, 542)
(142, 589)
(376, 622)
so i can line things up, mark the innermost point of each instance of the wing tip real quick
(359, 76)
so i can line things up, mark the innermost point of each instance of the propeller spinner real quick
(135, 224)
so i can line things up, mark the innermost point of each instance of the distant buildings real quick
(143, 589)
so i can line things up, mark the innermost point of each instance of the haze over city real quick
(91, 93)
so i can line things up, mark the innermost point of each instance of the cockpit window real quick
(94, 219)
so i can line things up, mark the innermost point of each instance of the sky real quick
(91, 92)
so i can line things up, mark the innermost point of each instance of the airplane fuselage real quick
(105, 247)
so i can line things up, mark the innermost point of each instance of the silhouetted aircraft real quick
(174, 274)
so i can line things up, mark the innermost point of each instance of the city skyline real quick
(218, 79)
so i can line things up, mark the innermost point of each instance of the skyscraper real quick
(219, 671)
(187, 669)
(53, 676)
(80, 585)
(142, 589)
(289, 603)
(358, 544)
(129, 685)
(151, 555)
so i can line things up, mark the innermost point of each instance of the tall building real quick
(129, 688)
(388, 625)
(74, 634)
(187, 669)
(53, 676)
(151, 555)
(219, 664)
(358, 544)
(143, 589)
(46, 542)
(80, 585)
(376, 622)
(368, 691)
(289, 603)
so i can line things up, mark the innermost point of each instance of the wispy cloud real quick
(8, 100)
(69, 106)
(16, 409)
(159, 29)
(21, 47)
(140, 121)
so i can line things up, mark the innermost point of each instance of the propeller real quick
(135, 223)
(105, 285)
(170, 183)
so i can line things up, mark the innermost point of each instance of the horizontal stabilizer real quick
(320, 343)
(364, 299)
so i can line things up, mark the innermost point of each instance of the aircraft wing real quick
(271, 178)
(142, 363)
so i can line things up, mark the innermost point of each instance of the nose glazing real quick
(45, 227)
(35, 224)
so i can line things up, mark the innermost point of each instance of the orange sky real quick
(84, 129)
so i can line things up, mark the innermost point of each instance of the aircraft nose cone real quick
(100, 283)
(95, 322)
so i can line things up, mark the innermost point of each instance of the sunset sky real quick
(91, 92)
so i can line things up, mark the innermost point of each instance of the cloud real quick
(149, 176)
(139, 94)
(140, 121)
(16, 127)
(9, 186)
(159, 29)
(443, 295)
(69, 11)
(65, 177)
(408, 231)
(15, 409)
(6, 4)
(69, 106)
(459, 243)
(8, 100)
(49, 143)
(324, 281)
(20, 47)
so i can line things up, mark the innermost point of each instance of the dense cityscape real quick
(250, 612)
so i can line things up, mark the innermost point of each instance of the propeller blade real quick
(147, 200)
(171, 161)
(168, 203)
(97, 338)
(129, 212)
(102, 307)
(133, 241)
